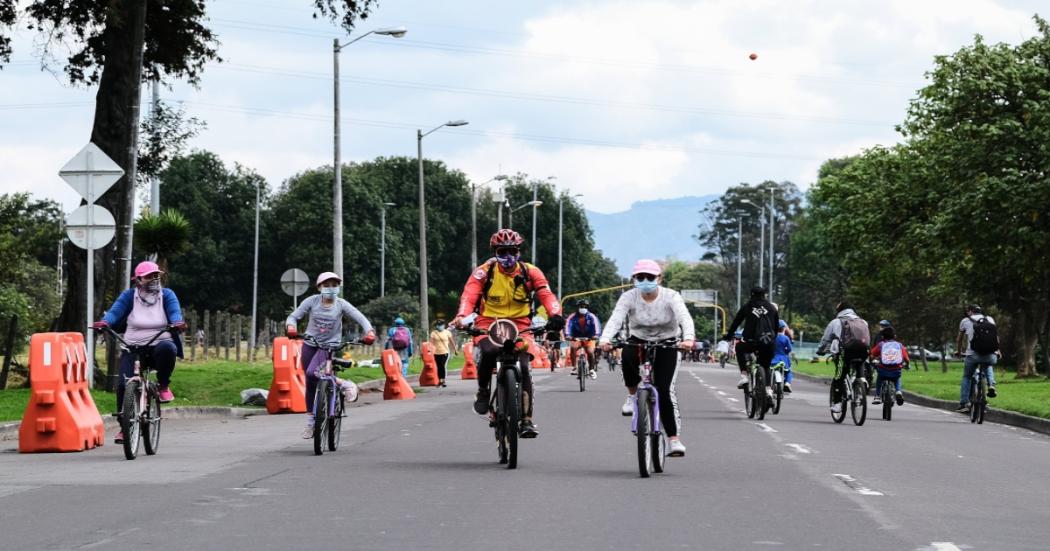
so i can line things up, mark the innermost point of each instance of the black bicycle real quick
(850, 389)
(887, 391)
(139, 414)
(756, 403)
(329, 402)
(979, 393)
(506, 403)
(583, 364)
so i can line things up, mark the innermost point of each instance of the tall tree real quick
(116, 44)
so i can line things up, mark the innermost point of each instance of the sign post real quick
(90, 173)
(294, 283)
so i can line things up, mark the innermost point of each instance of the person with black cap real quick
(760, 319)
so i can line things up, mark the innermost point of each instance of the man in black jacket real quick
(760, 319)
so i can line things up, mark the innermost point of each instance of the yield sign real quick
(91, 172)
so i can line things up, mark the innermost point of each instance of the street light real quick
(337, 187)
(761, 237)
(474, 218)
(382, 247)
(255, 279)
(771, 213)
(510, 221)
(423, 299)
(561, 200)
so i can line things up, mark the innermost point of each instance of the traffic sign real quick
(90, 227)
(703, 296)
(294, 282)
(91, 172)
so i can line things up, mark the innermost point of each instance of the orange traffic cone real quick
(470, 370)
(396, 388)
(429, 375)
(288, 386)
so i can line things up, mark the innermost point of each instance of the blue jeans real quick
(788, 375)
(969, 365)
(887, 375)
(404, 361)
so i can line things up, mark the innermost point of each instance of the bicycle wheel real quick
(887, 402)
(841, 415)
(321, 414)
(761, 398)
(130, 414)
(658, 443)
(642, 425)
(335, 424)
(778, 394)
(151, 423)
(553, 359)
(498, 426)
(981, 404)
(581, 369)
(859, 405)
(512, 416)
(749, 397)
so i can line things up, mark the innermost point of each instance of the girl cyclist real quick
(326, 311)
(656, 313)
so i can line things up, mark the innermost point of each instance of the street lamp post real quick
(424, 305)
(561, 200)
(771, 213)
(510, 213)
(761, 238)
(255, 279)
(382, 248)
(337, 187)
(739, 253)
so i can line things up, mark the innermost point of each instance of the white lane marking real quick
(944, 546)
(732, 399)
(856, 486)
(699, 379)
(720, 393)
(799, 448)
(765, 427)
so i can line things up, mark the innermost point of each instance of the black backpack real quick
(766, 336)
(985, 338)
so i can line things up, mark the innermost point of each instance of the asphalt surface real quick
(422, 474)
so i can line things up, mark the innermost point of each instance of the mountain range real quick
(659, 229)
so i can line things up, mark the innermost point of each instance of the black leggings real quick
(764, 353)
(441, 360)
(665, 371)
(490, 354)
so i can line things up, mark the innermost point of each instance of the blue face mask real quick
(646, 286)
(508, 261)
(329, 292)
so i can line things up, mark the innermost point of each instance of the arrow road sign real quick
(91, 172)
(93, 235)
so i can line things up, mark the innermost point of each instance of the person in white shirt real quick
(653, 313)
(983, 352)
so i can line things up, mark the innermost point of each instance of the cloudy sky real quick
(651, 99)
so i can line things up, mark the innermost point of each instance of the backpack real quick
(765, 335)
(400, 340)
(855, 335)
(891, 353)
(985, 338)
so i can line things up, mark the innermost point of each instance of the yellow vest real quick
(505, 300)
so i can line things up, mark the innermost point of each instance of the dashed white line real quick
(856, 486)
(720, 393)
(732, 399)
(765, 427)
(799, 448)
(944, 546)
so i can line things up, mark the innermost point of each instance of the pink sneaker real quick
(120, 438)
(166, 395)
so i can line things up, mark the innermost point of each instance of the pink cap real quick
(646, 266)
(146, 268)
(325, 276)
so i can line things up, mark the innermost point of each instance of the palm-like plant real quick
(166, 235)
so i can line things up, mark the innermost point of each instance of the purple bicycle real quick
(645, 423)
(329, 402)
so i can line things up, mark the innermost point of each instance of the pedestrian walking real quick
(444, 345)
(399, 338)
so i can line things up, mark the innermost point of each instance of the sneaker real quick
(769, 393)
(308, 431)
(573, 372)
(165, 395)
(876, 401)
(899, 397)
(120, 438)
(528, 430)
(787, 388)
(676, 448)
(991, 392)
(743, 381)
(349, 390)
(481, 401)
(594, 374)
(963, 408)
(628, 407)
(836, 408)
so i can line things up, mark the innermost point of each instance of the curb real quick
(1028, 422)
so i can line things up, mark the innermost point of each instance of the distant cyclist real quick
(846, 334)
(652, 313)
(782, 353)
(760, 319)
(981, 337)
(503, 288)
(883, 324)
(583, 325)
(326, 312)
(890, 357)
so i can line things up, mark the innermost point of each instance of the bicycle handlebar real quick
(669, 343)
(312, 341)
(125, 344)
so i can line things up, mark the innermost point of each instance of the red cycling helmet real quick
(506, 238)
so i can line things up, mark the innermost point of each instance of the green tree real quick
(165, 235)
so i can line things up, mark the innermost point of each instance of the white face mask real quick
(329, 292)
(583, 311)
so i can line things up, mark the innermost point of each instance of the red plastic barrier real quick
(288, 388)
(429, 375)
(470, 369)
(396, 387)
(61, 415)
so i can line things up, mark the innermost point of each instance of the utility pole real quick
(534, 186)
(154, 188)
(739, 251)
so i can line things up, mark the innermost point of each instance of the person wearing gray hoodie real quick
(854, 348)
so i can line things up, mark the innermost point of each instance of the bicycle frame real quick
(646, 371)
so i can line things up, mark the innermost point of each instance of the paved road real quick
(422, 474)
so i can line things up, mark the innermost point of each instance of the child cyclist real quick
(782, 353)
(890, 356)
(326, 311)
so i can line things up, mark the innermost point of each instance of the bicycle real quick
(755, 399)
(583, 364)
(329, 403)
(553, 352)
(777, 372)
(886, 389)
(853, 391)
(612, 360)
(979, 393)
(645, 422)
(139, 414)
(507, 396)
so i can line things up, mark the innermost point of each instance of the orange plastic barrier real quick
(288, 388)
(429, 375)
(470, 369)
(537, 356)
(396, 387)
(61, 415)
